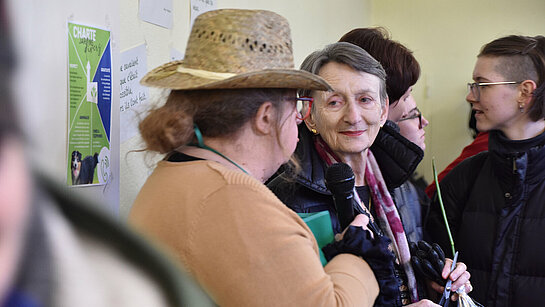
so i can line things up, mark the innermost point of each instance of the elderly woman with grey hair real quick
(341, 126)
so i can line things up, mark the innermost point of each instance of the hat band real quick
(205, 73)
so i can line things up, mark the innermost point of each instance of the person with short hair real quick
(405, 119)
(494, 200)
(341, 127)
(228, 124)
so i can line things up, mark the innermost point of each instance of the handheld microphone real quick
(340, 180)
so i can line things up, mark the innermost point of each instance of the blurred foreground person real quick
(494, 200)
(56, 250)
(228, 124)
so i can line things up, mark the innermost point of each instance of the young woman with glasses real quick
(494, 200)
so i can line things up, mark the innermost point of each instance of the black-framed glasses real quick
(475, 87)
(417, 114)
(303, 111)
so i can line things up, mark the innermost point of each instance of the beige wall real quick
(312, 23)
(446, 37)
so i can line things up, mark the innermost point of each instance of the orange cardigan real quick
(241, 243)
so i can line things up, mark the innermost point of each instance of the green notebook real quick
(320, 225)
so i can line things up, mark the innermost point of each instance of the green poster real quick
(90, 105)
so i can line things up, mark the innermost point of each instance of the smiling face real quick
(497, 108)
(349, 118)
(404, 112)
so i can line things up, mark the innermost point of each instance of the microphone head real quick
(339, 178)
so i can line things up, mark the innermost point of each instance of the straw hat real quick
(234, 48)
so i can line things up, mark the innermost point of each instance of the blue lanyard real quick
(201, 144)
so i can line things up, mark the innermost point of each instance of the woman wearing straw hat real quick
(229, 122)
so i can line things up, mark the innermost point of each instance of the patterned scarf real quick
(386, 211)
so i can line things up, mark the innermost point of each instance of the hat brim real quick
(167, 76)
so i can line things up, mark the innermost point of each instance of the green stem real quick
(442, 206)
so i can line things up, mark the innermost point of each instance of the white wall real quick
(313, 25)
(40, 33)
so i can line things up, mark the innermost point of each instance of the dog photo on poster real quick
(90, 105)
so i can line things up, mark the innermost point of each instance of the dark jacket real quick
(306, 191)
(494, 203)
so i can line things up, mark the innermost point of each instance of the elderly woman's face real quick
(349, 118)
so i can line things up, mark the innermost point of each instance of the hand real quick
(459, 276)
(361, 220)
(423, 303)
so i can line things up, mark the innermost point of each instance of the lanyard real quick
(201, 144)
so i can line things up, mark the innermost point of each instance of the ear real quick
(526, 92)
(384, 109)
(309, 122)
(265, 118)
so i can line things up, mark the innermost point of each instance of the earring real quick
(314, 131)
(521, 108)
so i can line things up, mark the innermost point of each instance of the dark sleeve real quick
(455, 190)
(301, 199)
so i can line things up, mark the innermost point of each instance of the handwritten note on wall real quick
(200, 6)
(133, 97)
(158, 12)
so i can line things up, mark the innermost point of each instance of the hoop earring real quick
(314, 131)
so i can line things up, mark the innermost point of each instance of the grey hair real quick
(348, 54)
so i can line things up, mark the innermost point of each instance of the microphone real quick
(340, 180)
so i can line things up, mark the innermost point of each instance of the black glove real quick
(428, 260)
(376, 253)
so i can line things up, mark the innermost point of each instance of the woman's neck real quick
(237, 155)
(357, 162)
(526, 130)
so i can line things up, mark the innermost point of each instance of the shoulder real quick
(468, 167)
(119, 257)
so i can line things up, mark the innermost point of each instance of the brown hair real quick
(217, 113)
(402, 68)
(522, 58)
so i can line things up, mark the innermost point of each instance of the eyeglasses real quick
(303, 112)
(418, 115)
(475, 87)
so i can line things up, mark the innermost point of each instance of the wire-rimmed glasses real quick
(303, 111)
(475, 87)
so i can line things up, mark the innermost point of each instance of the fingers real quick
(459, 275)
(436, 287)
(423, 303)
(360, 220)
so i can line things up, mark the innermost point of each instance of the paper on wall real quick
(133, 97)
(158, 12)
(200, 6)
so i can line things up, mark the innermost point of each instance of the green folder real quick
(320, 225)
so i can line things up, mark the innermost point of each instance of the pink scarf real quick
(386, 211)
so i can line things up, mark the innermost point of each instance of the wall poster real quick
(90, 105)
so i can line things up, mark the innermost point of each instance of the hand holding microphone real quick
(340, 180)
